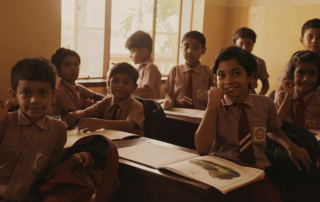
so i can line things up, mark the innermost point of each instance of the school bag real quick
(294, 185)
(155, 124)
(98, 184)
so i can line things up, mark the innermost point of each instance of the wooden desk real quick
(181, 130)
(141, 183)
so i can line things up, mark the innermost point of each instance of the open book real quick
(74, 135)
(217, 172)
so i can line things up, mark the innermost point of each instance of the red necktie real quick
(300, 113)
(245, 141)
(114, 112)
(188, 94)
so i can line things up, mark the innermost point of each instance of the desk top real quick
(185, 118)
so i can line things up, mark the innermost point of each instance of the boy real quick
(120, 112)
(310, 40)
(245, 38)
(31, 144)
(71, 96)
(236, 121)
(149, 83)
(188, 84)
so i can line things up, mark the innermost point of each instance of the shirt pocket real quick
(40, 160)
(259, 132)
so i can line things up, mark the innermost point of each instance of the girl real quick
(298, 103)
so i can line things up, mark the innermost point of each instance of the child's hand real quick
(214, 97)
(90, 124)
(288, 86)
(83, 158)
(72, 118)
(168, 104)
(4, 110)
(299, 154)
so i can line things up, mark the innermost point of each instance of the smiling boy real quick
(120, 112)
(187, 84)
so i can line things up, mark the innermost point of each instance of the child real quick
(298, 103)
(71, 96)
(245, 38)
(188, 84)
(236, 122)
(120, 112)
(31, 144)
(310, 39)
(149, 83)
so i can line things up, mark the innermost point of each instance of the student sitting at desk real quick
(236, 122)
(31, 144)
(120, 112)
(188, 84)
(298, 103)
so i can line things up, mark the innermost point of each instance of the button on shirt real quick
(262, 118)
(26, 151)
(202, 79)
(311, 113)
(132, 110)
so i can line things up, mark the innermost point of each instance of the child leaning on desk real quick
(188, 84)
(121, 112)
(238, 121)
(31, 144)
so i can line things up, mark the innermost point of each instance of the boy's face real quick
(192, 51)
(34, 97)
(311, 40)
(69, 69)
(122, 86)
(245, 44)
(305, 78)
(233, 79)
(138, 56)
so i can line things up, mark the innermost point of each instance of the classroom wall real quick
(28, 28)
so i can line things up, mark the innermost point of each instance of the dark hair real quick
(140, 39)
(195, 35)
(125, 68)
(314, 23)
(60, 54)
(300, 57)
(33, 69)
(244, 58)
(244, 32)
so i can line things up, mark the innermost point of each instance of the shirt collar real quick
(195, 69)
(248, 101)
(305, 98)
(23, 120)
(144, 63)
(122, 104)
(69, 85)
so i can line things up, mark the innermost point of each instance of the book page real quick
(217, 172)
(317, 132)
(154, 155)
(199, 114)
(181, 111)
(74, 135)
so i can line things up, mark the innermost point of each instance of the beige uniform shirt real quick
(130, 110)
(261, 74)
(262, 117)
(202, 79)
(26, 151)
(311, 113)
(149, 75)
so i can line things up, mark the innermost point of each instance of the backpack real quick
(67, 186)
(294, 185)
(155, 124)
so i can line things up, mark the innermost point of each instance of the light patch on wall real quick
(250, 3)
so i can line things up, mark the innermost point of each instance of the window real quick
(86, 24)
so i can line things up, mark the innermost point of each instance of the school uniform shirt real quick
(149, 75)
(26, 151)
(283, 76)
(261, 74)
(202, 79)
(130, 110)
(70, 98)
(311, 112)
(262, 118)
